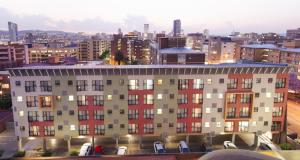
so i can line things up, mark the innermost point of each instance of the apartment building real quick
(42, 54)
(13, 55)
(149, 100)
(90, 50)
(182, 55)
(221, 50)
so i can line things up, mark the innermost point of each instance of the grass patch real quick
(285, 146)
(20, 154)
(74, 153)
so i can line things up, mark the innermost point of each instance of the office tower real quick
(177, 28)
(13, 31)
(146, 31)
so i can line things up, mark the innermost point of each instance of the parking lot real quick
(59, 146)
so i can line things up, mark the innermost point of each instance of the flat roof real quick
(98, 65)
(179, 50)
(271, 46)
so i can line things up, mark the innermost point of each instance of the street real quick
(293, 117)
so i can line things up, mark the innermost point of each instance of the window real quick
(133, 128)
(82, 100)
(30, 86)
(209, 81)
(182, 98)
(45, 86)
(31, 101)
(181, 127)
(148, 99)
(206, 124)
(57, 83)
(18, 83)
(277, 111)
(221, 80)
(133, 84)
(19, 98)
(208, 95)
(70, 83)
(148, 113)
(46, 101)
(33, 116)
(258, 80)
(218, 124)
(109, 111)
(59, 127)
(228, 127)
(197, 98)
(270, 80)
(183, 84)
(81, 85)
(148, 84)
(109, 97)
(278, 97)
(21, 113)
(172, 96)
(267, 109)
(84, 129)
(232, 84)
(159, 111)
(148, 128)
(171, 110)
(245, 98)
(255, 109)
(231, 112)
(276, 126)
(97, 85)
(198, 84)
(59, 112)
(71, 112)
(197, 113)
(280, 82)
(207, 110)
(110, 126)
(99, 129)
(133, 99)
(71, 98)
(231, 98)
(34, 131)
(266, 123)
(243, 126)
(48, 116)
(182, 113)
(247, 83)
(172, 81)
(133, 114)
(49, 130)
(220, 96)
(58, 98)
(108, 82)
(72, 127)
(98, 114)
(98, 100)
(196, 127)
(244, 112)
(268, 95)
(122, 96)
(159, 96)
(83, 115)
(159, 82)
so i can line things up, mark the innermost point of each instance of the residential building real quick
(146, 31)
(182, 55)
(12, 55)
(13, 32)
(293, 33)
(4, 83)
(91, 49)
(221, 50)
(151, 100)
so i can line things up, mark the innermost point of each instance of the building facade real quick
(177, 28)
(153, 100)
(90, 50)
(13, 55)
(13, 32)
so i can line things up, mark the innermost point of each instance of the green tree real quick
(104, 55)
(119, 57)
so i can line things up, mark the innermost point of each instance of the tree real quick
(119, 57)
(104, 55)
(5, 101)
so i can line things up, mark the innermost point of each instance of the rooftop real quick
(271, 46)
(179, 50)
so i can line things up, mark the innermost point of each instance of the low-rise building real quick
(182, 55)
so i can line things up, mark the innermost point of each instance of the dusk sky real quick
(219, 16)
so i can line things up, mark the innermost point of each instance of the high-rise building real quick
(177, 28)
(13, 31)
(90, 50)
(12, 55)
(171, 100)
(146, 31)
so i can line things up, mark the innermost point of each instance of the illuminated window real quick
(218, 124)
(159, 96)
(5, 86)
(72, 127)
(267, 109)
(19, 98)
(109, 97)
(254, 123)
(159, 111)
(220, 96)
(207, 110)
(159, 82)
(268, 95)
(206, 124)
(71, 98)
(208, 96)
(21, 113)
(209, 81)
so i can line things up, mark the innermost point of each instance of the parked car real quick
(268, 146)
(99, 150)
(229, 145)
(158, 147)
(122, 150)
(183, 147)
(205, 148)
(86, 149)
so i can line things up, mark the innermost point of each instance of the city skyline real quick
(196, 16)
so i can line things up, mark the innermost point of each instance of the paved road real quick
(293, 117)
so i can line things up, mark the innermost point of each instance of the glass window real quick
(97, 85)
(232, 84)
(181, 127)
(182, 99)
(133, 84)
(244, 112)
(148, 128)
(198, 84)
(245, 98)
(82, 100)
(197, 113)
(133, 99)
(243, 126)
(278, 97)
(46, 101)
(34, 131)
(48, 116)
(197, 98)
(99, 129)
(247, 83)
(231, 98)
(228, 127)
(84, 129)
(49, 130)
(231, 112)
(148, 84)
(83, 115)
(45, 86)
(196, 127)
(98, 114)
(98, 100)
(30, 86)
(133, 114)
(81, 85)
(280, 82)
(133, 128)
(182, 113)
(148, 99)
(148, 113)
(183, 84)
(31, 101)
(277, 111)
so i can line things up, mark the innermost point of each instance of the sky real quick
(96, 16)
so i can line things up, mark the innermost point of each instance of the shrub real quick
(74, 153)
(47, 154)
(20, 154)
(285, 146)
